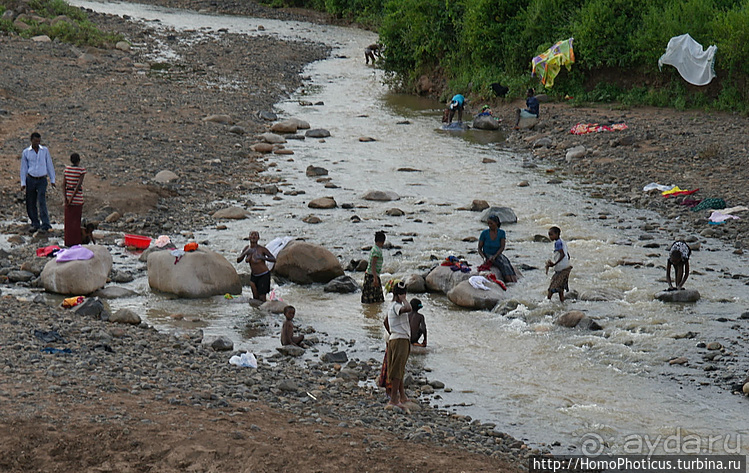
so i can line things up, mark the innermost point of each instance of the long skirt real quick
(560, 281)
(371, 292)
(504, 266)
(73, 215)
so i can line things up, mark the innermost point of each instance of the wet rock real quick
(267, 116)
(114, 292)
(601, 294)
(300, 124)
(80, 277)
(231, 213)
(366, 139)
(125, 316)
(685, 295)
(93, 307)
(262, 148)
(317, 133)
(544, 142)
(335, 357)
(342, 284)
(523, 184)
(380, 196)
(323, 203)
(312, 219)
(272, 138)
(395, 212)
(443, 279)
(745, 389)
(465, 295)
(222, 343)
(286, 126)
(357, 265)
(198, 274)
(20, 276)
(415, 284)
(273, 307)
(714, 346)
(678, 361)
(505, 214)
(290, 350)
(314, 171)
(479, 205)
(578, 319)
(485, 123)
(165, 176)
(306, 263)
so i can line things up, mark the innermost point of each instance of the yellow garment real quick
(72, 301)
(673, 190)
(548, 64)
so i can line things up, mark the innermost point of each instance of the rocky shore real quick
(100, 406)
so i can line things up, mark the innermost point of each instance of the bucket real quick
(138, 241)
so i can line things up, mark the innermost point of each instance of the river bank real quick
(101, 405)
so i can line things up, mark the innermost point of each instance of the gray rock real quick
(342, 284)
(485, 123)
(290, 350)
(505, 214)
(219, 118)
(93, 307)
(575, 153)
(335, 357)
(415, 284)
(395, 212)
(114, 292)
(479, 205)
(20, 276)
(165, 176)
(380, 196)
(231, 213)
(267, 116)
(317, 133)
(323, 203)
(272, 138)
(274, 307)
(222, 343)
(576, 318)
(125, 316)
(685, 295)
(544, 142)
(237, 130)
(288, 385)
(118, 276)
(313, 171)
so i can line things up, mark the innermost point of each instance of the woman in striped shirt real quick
(72, 186)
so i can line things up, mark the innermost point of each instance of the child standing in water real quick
(678, 257)
(560, 261)
(372, 288)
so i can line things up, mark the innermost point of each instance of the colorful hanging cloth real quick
(548, 64)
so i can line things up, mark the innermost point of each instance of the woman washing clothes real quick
(491, 248)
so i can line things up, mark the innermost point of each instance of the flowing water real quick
(534, 380)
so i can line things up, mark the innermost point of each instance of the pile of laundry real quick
(669, 191)
(457, 264)
(585, 128)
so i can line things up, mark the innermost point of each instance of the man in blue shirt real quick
(456, 104)
(533, 108)
(36, 165)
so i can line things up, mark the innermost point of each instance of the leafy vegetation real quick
(75, 29)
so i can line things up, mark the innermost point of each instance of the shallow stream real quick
(536, 381)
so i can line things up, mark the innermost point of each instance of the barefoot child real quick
(287, 330)
(399, 346)
(678, 257)
(560, 261)
(418, 324)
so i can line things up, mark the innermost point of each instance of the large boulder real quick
(198, 274)
(80, 277)
(342, 284)
(465, 295)
(415, 284)
(286, 126)
(685, 295)
(443, 279)
(381, 196)
(505, 214)
(485, 123)
(576, 318)
(306, 263)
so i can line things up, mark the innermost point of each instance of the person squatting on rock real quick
(72, 193)
(372, 288)
(560, 261)
(287, 330)
(399, 346)
(372, 51)
(678, 258)
(36, 165)
(491, 248)
(257, 255)
(417, 323)
(532, 110)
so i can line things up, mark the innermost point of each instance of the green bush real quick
(603, 30)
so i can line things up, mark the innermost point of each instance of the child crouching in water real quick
(287, 330)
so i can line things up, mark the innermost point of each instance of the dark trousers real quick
(36, 195)
(73, 225)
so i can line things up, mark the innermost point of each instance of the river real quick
(545, 384)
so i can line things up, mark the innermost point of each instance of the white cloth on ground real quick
(733, 210)
(655, 185)
(720, 217)
(694, 63)
(275, 246)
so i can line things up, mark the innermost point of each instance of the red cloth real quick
(493, 278)
(486, 266)
(682, 193)
(47, 250)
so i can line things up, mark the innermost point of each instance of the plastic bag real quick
(244, 360)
